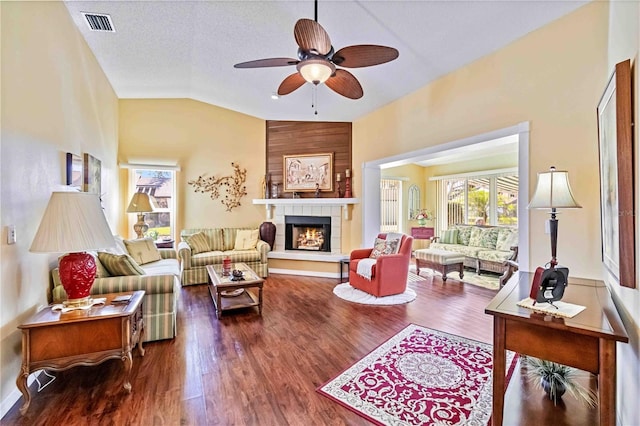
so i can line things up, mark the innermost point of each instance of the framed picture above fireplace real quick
(306, 173)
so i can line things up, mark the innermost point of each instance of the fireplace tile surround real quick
(336, 208)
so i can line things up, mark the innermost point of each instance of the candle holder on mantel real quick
(347, 184)
(338, 188)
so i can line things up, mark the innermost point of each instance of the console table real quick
(57, 341)
(586, 341)
(422, 232)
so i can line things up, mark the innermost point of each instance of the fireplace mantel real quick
(343, 202)
(315, 201)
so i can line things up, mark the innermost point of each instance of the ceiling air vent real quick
(99, 22)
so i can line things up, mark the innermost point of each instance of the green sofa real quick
(485, 248)
(221, 242)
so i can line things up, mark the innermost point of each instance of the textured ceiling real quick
(186, 49)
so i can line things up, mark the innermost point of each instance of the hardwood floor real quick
(247, 369)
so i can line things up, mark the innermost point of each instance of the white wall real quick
(55, 99)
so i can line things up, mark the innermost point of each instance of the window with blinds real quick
(390, 205)
(490, 199)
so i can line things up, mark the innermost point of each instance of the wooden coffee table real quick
(223, 289)
(53, 340)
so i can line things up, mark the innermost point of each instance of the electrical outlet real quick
(11, 234)
(547, 226)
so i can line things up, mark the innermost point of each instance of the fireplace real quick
(307, 233)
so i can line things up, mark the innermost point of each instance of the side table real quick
(58, 341)
(586, 341)
(346, 261)
(164, 243)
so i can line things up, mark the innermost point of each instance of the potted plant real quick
(423, 216)
(556, 379)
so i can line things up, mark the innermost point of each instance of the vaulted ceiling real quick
(187, 49)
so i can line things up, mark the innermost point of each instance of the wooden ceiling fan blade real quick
(269, 62)
(345, 84)
(311, 37)
(364, 55)
(291, 83)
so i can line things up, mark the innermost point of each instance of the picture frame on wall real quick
(306, 173)
(75, 171)
(92, 174)
(615, 143)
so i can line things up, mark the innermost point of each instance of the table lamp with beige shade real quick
(141, 203)
(74, 223)
(552, 192)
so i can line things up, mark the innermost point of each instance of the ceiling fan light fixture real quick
(316, 71)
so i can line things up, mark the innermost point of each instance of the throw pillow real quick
(450, 236)
(475, 239)
(119, 264)
(382, 247)
(198, 243)
(143, 250)
(488, 238)
(464, 234)
(507, 237)
(101, 271)
(395, 236)
(246, 239)
(216, 239)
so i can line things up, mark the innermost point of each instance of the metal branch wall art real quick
(234, 187)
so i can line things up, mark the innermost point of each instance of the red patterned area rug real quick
(421, 377)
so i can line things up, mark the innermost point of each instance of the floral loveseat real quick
(160, 281)
(218, 244)
(486, 248)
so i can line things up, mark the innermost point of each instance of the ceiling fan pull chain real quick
(314, 99)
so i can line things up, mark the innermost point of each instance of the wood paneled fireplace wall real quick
(307, 137)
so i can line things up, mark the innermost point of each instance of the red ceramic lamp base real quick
(77, 274)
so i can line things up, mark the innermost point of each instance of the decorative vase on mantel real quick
(422, 222)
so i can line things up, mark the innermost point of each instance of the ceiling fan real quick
(317, 60)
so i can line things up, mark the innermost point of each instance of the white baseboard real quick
(305, 273)
(14, 396)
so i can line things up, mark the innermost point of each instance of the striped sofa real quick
(221, 242)
(161, 284)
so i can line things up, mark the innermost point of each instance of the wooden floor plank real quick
(247, 369)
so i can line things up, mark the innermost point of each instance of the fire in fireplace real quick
(311, 233)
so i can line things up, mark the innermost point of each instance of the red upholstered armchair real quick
(388, 274)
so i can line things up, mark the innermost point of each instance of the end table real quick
(164, 243)
(58, 341)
